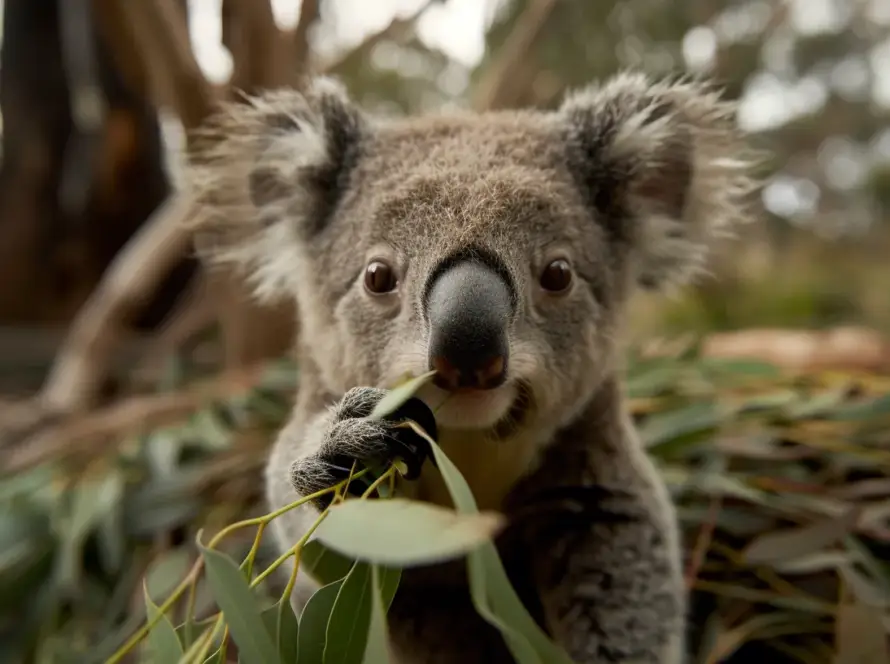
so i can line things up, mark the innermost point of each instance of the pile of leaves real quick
(781, 482)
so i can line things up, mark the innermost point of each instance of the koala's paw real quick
(351, 440)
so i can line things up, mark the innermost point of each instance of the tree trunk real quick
(82, 165)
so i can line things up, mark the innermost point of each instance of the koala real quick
(499, 249)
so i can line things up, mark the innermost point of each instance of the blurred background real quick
(138, 392)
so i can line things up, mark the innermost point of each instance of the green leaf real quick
(389, 578)
(347, 631)
(211, 429)
(162, 641)
(816, 405)
(873, 409)
(518, 644)
(399, 395)
(162, 450)
(493, 595)
(189, 631)
(729, 641)
(216, 657)
(322, 564)
(93, 500)
(794, 542)
(507, 605)
(654, 381)
(404, 533)
(738, 367)
(377, 647)
(313, 623)
(662, 428)
(460, 491)
(167, 570)
(283, 627)
(767, 401)
(239, 607)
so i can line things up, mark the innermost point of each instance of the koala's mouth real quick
(500, 411)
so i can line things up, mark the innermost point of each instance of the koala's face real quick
(497, 249)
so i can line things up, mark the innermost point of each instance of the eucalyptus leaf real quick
(793, 542)
(377, 649)
(188, 632)
(163, 449)
(663, 428)
(518, 644)
(162, 640)
(654, 381)
(399, 395)
(216, 657)
(347, 630)
(93, 499)
(506, 604)
(282, 625)
(739, 367)
(313, 623)
(212, 429)
(323, 564)
(167, 570)
(404, 533)
(877, 408)
(388, 578)
(239, 607)
(729, 641)
(492, 593)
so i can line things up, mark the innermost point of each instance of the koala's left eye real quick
(380, 278)
(557, 276)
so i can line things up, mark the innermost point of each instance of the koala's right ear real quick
(664, 165)
(265, 174)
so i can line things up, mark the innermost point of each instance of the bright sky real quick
(457, 27)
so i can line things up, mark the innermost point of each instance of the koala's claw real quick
(355, 441)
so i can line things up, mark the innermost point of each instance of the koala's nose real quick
(469, 307)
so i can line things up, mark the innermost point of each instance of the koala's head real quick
(499, 249)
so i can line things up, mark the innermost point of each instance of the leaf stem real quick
(295, 550)
(162, 610)
(196, 568)
(251, 555)
(266, 518)
(380, 480)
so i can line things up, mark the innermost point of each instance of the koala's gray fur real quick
(629, 181)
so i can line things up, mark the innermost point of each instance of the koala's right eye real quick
(380, 278)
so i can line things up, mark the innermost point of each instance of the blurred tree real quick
(82, 163)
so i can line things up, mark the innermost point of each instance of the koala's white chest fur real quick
(490, 466)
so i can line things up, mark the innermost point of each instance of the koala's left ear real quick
(664, 167)
(266, 173)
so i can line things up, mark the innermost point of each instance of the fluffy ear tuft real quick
(664, 166)
(265, 174)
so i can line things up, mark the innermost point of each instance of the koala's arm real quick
(323, 444)
(608, 563)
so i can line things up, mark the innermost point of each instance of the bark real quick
(82, 165)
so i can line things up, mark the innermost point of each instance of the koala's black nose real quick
(469, 307)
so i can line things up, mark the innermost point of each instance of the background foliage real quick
(139, 397)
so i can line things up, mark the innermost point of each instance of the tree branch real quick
(82, 361)
(160, 33)
(309, 13)
(396, 29)
(502, 85)
(254, 40)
